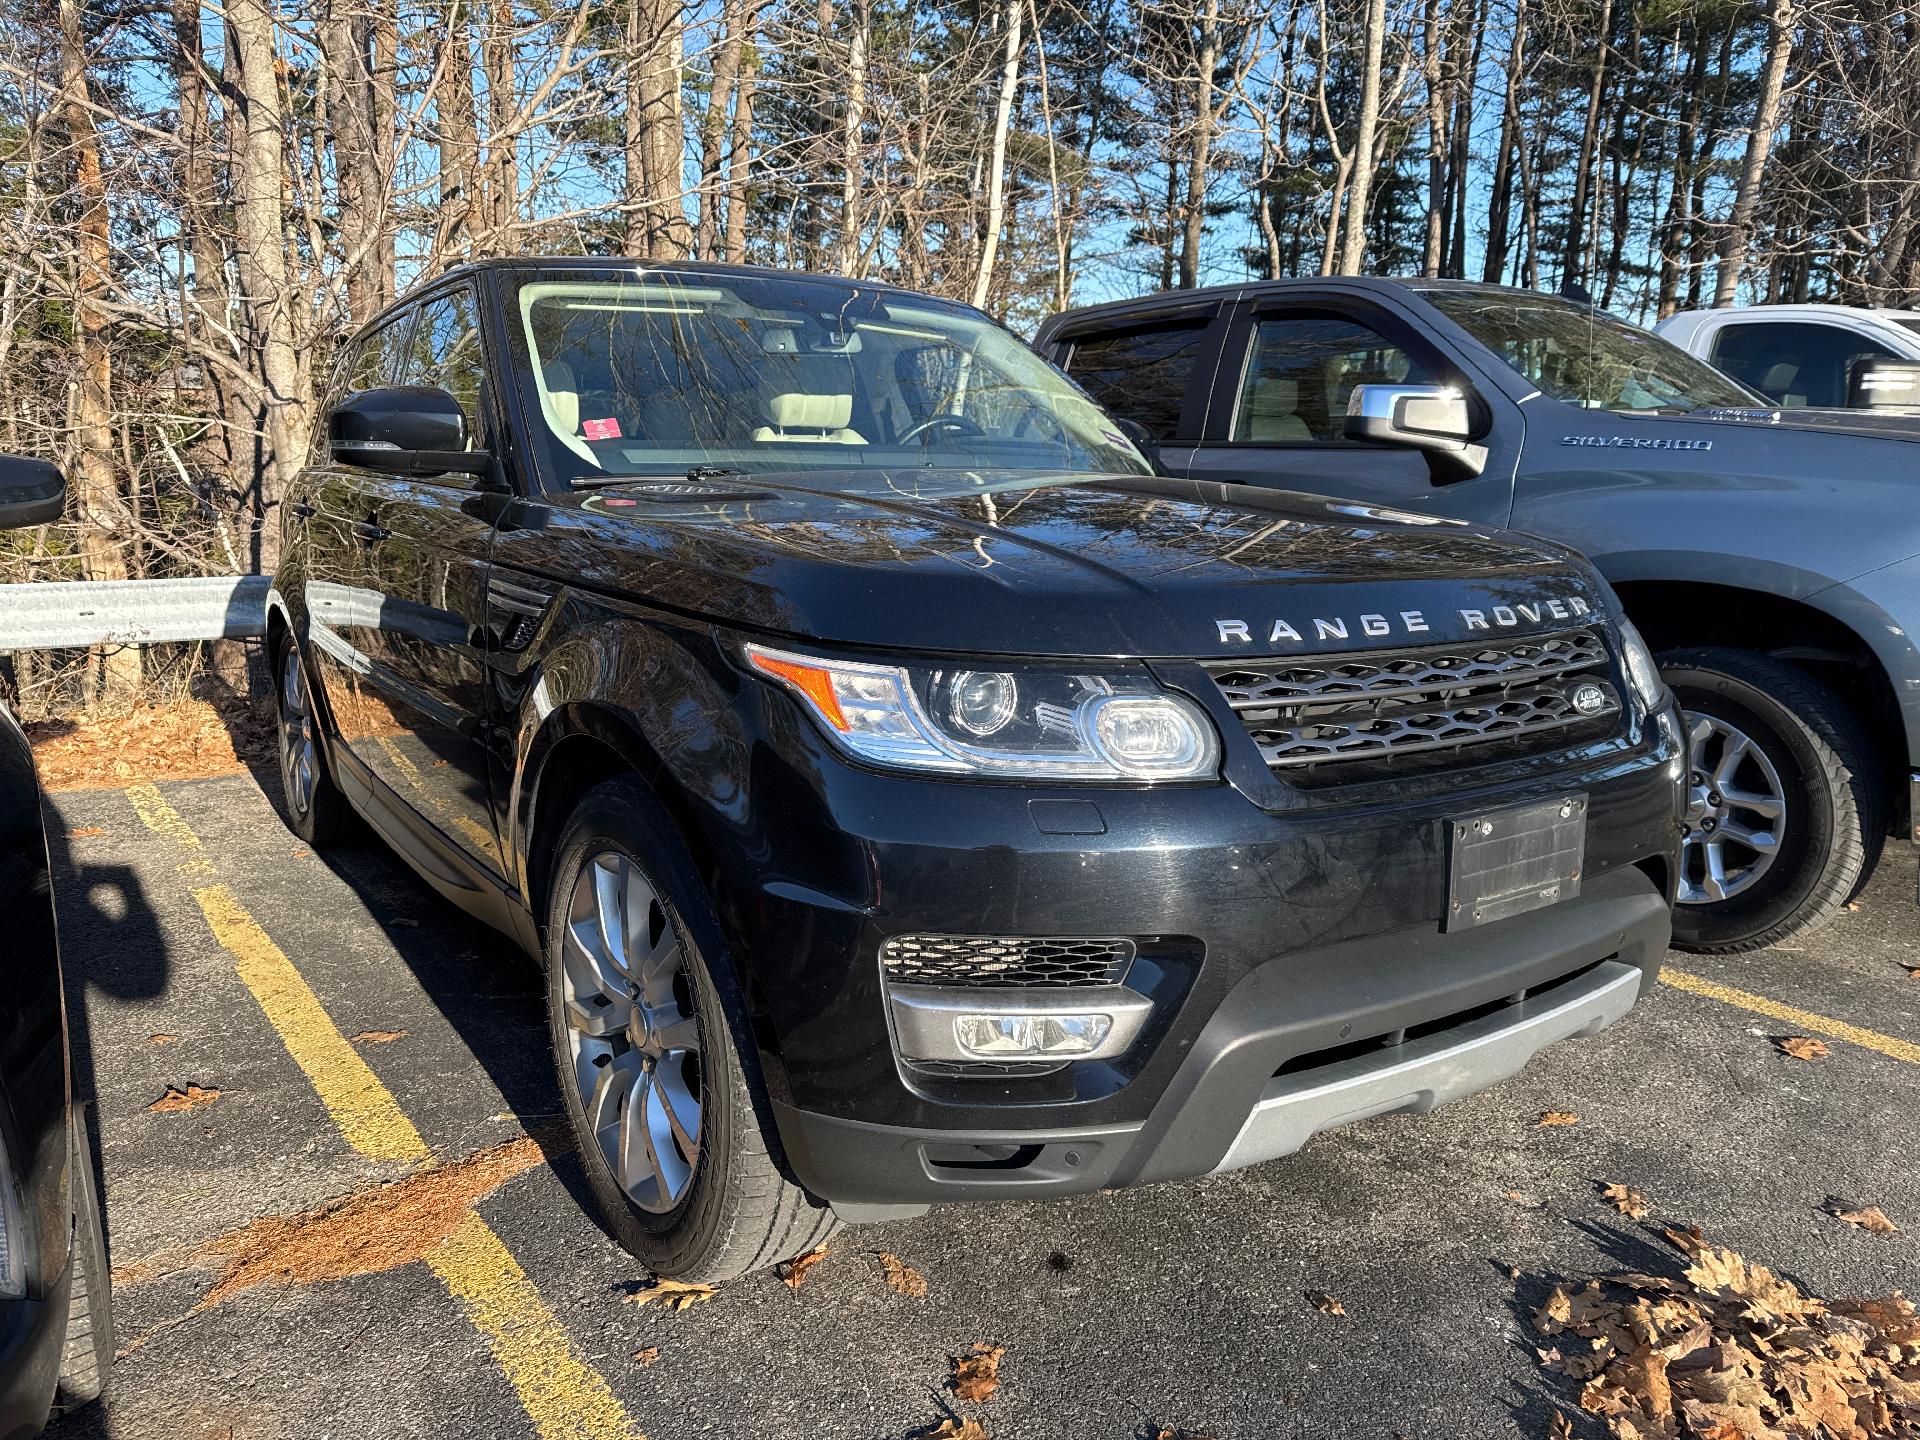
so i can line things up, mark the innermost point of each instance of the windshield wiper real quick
(712, 472)
(693, 472)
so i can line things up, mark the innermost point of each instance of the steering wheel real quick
(958, 424)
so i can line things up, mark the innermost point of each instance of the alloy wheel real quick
(633, 1031)
(299, 744)
(1736, 812)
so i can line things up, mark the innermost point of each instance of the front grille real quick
(1312, 717)
(1005, 960)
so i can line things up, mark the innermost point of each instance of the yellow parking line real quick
(1806, 1020)
(563, 1395)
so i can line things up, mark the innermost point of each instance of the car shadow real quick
(487, 988)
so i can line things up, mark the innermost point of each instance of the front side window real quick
(1795, 363)
(637, 373)
(1141, 374)
(446, 352)
(1585, 356)
(379, 355)
(1301, 372)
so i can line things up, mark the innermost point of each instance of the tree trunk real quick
(714, 129)
(740, 153)
(1781, 20)
(349, 109)
(852, 136)
(502, 163)
(1202, 146)
(260, 226)
(459, 135)
(1353, 251)
(1437, 141)
(657, 226)
(102, 516)
(1572, 265)
(1500, 203)
(1010, 17)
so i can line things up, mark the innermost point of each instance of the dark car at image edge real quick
(56, 1329)
(913, 797)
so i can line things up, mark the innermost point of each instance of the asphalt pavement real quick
(359, 1031)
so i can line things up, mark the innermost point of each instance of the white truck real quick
(1818, 357)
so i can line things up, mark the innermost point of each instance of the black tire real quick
(740, 1212)
(320, 817)
(87, 1360)
(1834, 824)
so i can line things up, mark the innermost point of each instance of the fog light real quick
(1006, 1037)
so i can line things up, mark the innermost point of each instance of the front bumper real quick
(1293, 1049)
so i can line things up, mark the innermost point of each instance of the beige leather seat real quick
(560, 399)
(1273, 410)
(810, 419)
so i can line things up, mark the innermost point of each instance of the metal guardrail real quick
(52, 615)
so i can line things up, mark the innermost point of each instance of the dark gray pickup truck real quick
(1772, 556)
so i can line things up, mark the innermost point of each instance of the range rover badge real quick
(1589, 699)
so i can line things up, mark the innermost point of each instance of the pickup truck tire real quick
(87, 1357)
(1820, 757)
(641, 1024)
(316, 810)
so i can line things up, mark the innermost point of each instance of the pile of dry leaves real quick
(179, 741)
(1727, 1350)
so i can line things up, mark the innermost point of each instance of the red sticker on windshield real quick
(601, 429)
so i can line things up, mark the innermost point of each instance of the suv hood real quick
(1016, 563)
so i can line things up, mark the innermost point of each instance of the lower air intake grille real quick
(1005, 960)
(1313, 717)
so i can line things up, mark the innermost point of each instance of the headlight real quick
(1641, 671)
(1001, 722)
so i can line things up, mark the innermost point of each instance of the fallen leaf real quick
(672, 1294)
(903, 1277)
(1325, 1303)
(646, 1355)
(1559, 1117)
(379, 1037)
(968, 1429)
(976, 1375)
(176, 1100)
(1561, 1427)
(1525, 1198)
(1804, 1047)
(85, 832)
(1630, 1203)
(1870, 1218)
(1912, 967)
(300, 854)
(162, 1039)
(793, 1273)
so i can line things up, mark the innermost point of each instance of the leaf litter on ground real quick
(902, 1277)
(1559, 1117)
(177, 1101)
(1724, 1349)
(1628, 1201)
(1868, 1217)
(672, 1294)
(976, 1375)
(1804, 1047)
(1325, 1303)
(793, 1273)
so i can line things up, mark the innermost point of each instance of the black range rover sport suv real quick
(911, 795)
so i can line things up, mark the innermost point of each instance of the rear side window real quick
(1301, 372)
(1140, 374)
(1795, 363)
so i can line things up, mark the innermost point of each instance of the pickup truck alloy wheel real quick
(1736, 810)
(1782, 820)
(634, 1039)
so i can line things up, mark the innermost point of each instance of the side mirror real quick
(32, 492)
(1143, 441)
(404, 430)
(1433, 418)
(1884, 385)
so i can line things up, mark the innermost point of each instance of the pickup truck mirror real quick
(404, 430)
(1434, 418)
(1884, 385)
(32, 492)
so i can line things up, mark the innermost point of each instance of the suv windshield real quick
(1586, 357)
(634, 373)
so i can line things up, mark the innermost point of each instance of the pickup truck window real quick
(1301, 371)
(1795, 363)
(1140, 373)
(1586, 357)
(628, 374)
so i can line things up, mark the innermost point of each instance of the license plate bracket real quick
(1507, 862)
